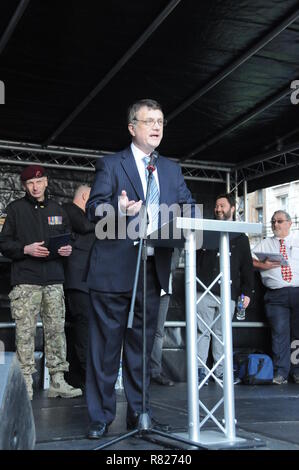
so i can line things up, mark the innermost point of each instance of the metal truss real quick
(270, 163)
(68, 158)
(204, 172)
(19, 153)
(51, 161)
(271, 166)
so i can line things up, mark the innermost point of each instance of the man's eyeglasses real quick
(150, 122)
(279, 221)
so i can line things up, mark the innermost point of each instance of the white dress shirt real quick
(139, 156)
(272, 278)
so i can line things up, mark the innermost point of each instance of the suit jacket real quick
(113, 261)
(84, 236)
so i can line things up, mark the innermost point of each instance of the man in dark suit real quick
(76, 290)
(116, 197)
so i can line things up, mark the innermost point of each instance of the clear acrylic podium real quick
(192, 233)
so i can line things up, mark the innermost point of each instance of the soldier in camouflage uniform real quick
(37, 278)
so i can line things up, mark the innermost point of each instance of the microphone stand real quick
(144, 424)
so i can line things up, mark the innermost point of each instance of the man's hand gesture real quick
(128, 207)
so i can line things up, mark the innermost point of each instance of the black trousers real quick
(107, 333)
(78, 309)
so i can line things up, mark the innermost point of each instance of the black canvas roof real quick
(222, 70)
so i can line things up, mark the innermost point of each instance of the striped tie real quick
(154, 199)
(286, 271)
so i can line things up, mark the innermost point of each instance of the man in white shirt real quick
(281, 279)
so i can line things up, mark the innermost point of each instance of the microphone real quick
(152, 163)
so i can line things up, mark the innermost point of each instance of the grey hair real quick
(288, 217)
(135, 107)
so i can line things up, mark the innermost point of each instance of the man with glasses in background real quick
(120, 185)
(281, 278)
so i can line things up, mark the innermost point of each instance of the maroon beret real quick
(32, 171)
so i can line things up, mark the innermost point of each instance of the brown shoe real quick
(60, 388)
(162, 380)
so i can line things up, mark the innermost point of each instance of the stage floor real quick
(267, 419)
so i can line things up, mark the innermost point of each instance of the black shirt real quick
(84, 237)
(241, 267)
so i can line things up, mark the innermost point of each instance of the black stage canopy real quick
(222, 69)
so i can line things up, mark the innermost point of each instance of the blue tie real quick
(154, 199)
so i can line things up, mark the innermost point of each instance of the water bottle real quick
(119, 381)
(240, 308)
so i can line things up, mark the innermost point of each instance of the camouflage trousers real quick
(27, 301)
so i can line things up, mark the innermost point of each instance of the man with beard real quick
(282, 295)
(241, 283)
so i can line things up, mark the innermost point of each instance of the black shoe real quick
(97, 430)
(132, 423)
(162, 380)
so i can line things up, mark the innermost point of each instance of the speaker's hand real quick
(129, 207)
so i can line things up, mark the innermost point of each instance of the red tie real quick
(286, 271)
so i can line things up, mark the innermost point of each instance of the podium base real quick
(217, 440)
